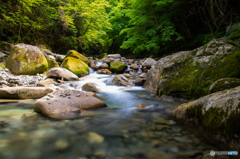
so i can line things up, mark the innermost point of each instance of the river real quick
(120, 131)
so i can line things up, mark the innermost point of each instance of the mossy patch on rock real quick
(75, 54)
(223, 84)
(190, 74)
(217, 114)
(2, 65)
(27, 60)
(76, 66)
(51, 63)
(117, 66)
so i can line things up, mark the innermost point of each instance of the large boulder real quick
(117, 66)
(66, 104)
(121, 80)
(76, 66)
(217, 115)
(189, 74)
(114, 56)
(27, 60)
(60, 73)
(77, 55)
(149, 62)
(24, 92)
(90, 87)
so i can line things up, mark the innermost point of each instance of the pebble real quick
(95, 138)
(61, 144)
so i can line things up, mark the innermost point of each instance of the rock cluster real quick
(8, 79)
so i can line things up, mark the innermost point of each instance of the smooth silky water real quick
(120, 131)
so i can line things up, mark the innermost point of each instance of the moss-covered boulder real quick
(77, 55)
(189, 74)
(26, 59)
(76, 66)
(117, 66)
(216, 115)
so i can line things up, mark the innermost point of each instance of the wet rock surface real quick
(90, 87)
(189, 74)
(217, 114)
(66, 104)
(59, 73)
(121, 80)
(24, 92)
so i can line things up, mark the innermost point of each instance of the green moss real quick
(20, 61)
(75, 54)
(76, 66)
(2, 65)
(193, 81)
(215, 120)
(51, 63)
(102, 56)
(226, 83)
(117, 66)
(194, 111)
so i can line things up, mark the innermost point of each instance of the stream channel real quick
(120, 131)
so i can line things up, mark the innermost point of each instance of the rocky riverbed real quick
(71, 105)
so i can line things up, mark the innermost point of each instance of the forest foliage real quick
(144, 27)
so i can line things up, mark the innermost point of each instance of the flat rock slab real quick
(24, 92)
(66, 104)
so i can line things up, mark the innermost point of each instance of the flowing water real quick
(120, 131)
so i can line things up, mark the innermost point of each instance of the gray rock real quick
(104, 66)
(189, 74)
(149, 62)
(217, 113)
(24, 92)
(90, 87)
(121, 80)
(139, 81)
(134, 66)
(66, 104)
(224, 83)
(114, 56)
(2, 55)
(58, 72)
(60, 58)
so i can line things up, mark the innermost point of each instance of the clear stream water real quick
(120, 131)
